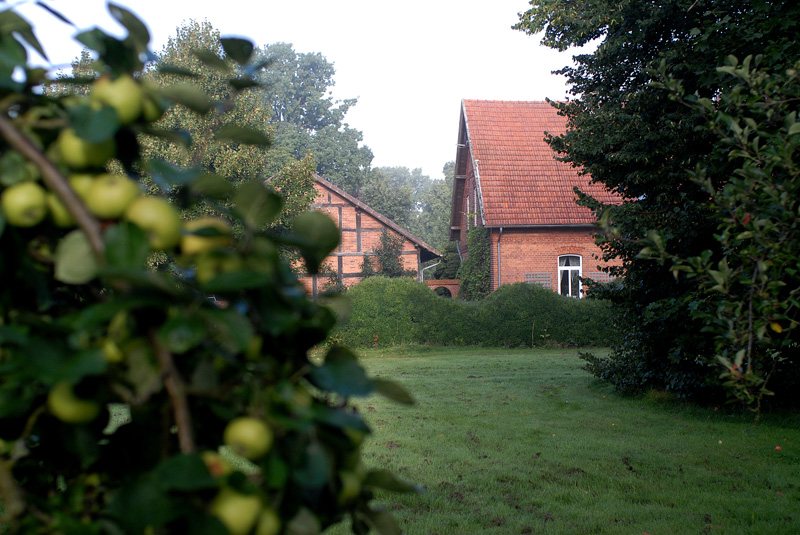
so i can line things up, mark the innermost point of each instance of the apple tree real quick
(174, 400)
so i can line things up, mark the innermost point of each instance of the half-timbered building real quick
(361, 228)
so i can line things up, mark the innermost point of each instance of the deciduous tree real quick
(636, 139)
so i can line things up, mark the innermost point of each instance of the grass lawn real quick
(524, 442)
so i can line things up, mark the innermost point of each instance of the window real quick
(569, 275)
(542, 279)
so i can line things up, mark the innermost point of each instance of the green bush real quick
(388, 312)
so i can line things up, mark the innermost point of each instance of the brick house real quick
(508, 181)
(361, 228)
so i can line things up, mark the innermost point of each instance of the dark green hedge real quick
(388, 312)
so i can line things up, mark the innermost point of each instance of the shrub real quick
(389, 312)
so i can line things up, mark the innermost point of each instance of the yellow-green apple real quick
(24, 204)
(158, 218)
(77, 153)
(67, 407)
(247, 436)
(58, 212)
(269, 523)
(238, 512)
(192, 244)
(110, 195)
(122, 94)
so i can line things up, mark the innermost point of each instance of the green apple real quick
(67, 407)
(110, 195)
(77, 153)
(247, 436)
(192, 244)
(122, 94)
(24, 204)
(58, 212)
(269, 523)
(238, 512)
(158, 218)
(217, 465)
(209, 265)
(111, 351)
(80, 184)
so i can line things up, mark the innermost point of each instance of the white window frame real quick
(571, 292)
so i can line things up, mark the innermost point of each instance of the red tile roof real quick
(521, 182)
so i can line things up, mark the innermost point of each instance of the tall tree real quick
(307, 119)
(432, 217)
(390, 192)
(183, 60)
(637, 140)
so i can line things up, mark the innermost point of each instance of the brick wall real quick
(531, 255)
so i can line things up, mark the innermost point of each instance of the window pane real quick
(564, 282)
(576, 283)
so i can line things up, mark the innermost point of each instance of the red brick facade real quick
(361, 229)
(507, 180)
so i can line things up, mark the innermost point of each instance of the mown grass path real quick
(524, 441)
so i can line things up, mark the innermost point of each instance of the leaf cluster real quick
(89, 331)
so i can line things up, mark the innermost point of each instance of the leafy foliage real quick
(755, 284)
(87, 328)
(630, 135)
(307, 120)
(388, 258)
(388, 312)
(475, 271)
(448, 268)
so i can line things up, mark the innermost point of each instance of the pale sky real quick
(409, 63)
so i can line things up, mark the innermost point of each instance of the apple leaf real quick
(256, 204)
(184, 473)
(12, 168)
(243, 134)
(126, 246)
(314, 469)
(93, 125)
(340, 418)
(236, 281)
(11, 21)
(180, 334)
(138, 33)
(232, 326)
(384, 479)
(317, 236)
(175, 69)
(341, 373)
(239, 50)
(211, 60)
(382, 522)
(243, 83)
(75, 262)
(210, 185)
(142, 503)
(189, 95)
(392, 391)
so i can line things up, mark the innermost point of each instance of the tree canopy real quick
(630, 134)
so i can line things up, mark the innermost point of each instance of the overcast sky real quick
(409, 63)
